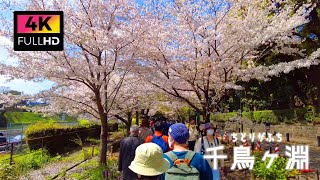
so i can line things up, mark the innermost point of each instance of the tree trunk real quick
(318, 97)
(206, 116)
(129, 116)
(104, 130)
(103, 139)
(137, 118)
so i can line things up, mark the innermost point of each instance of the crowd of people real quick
(167, 150)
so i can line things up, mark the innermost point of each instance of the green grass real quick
(37, 159)
(31, 117)
(91, 170)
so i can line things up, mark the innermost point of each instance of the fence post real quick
(11, 153)
(252, 146)
(41, 149)
(318, 138)
(266, 133)
(92, 151)
(239, 129)
(270, 148)
(242, 127)
(287, 136)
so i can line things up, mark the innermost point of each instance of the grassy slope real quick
(31, 117)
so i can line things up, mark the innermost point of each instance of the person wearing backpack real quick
(184, 164)
(158, 138)
(209, 141)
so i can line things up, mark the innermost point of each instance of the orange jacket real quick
(164, 137)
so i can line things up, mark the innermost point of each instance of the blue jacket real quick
(197, 161)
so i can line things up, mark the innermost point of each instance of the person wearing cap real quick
(178, 138)
(148, 162)
(126, 155)
(209, 141)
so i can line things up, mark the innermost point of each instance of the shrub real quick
(91, 170)
(33, 160)
(276, 171)
(112, 167)
(112, 126)
(221, 117)
(56, 138)
(306, 114)
(118, 135)
(264, 116)
(8, 172)
(247, 115)
(287, 116)
(85, 123)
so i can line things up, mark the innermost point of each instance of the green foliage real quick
(112, 167)
(85, 152)
(223, 116)
(247, 115)
(118, 135)
(134, 121)
(91, 170)
(85, 123)
(113, 126)
(276, 171)
(31, 117)
(263, 116)
(306, 114)
(92, 141)
(57, 138)
(33, 160)
(8, 172)
(41, 127)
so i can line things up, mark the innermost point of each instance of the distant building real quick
(38, 102)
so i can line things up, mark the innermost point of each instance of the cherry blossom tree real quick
(199, 50)
(101, 38)
(132, 96)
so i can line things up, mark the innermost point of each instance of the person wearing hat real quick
(148, 162)
(209, 141)
(178, 138)
(126, 155)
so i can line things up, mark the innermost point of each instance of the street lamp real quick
(240, 111)
(239, 95)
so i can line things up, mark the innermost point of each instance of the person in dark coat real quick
(127, 153)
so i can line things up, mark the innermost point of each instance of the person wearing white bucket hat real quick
(148, 162)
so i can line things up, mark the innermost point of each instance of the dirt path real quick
(49, 170)
(53, 168)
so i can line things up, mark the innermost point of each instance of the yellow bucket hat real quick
(149, 161)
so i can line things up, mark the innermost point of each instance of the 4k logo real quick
(38, 30)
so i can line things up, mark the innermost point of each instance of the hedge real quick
(309, 114)
(57, 138)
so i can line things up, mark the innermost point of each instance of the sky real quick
(27, 87)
